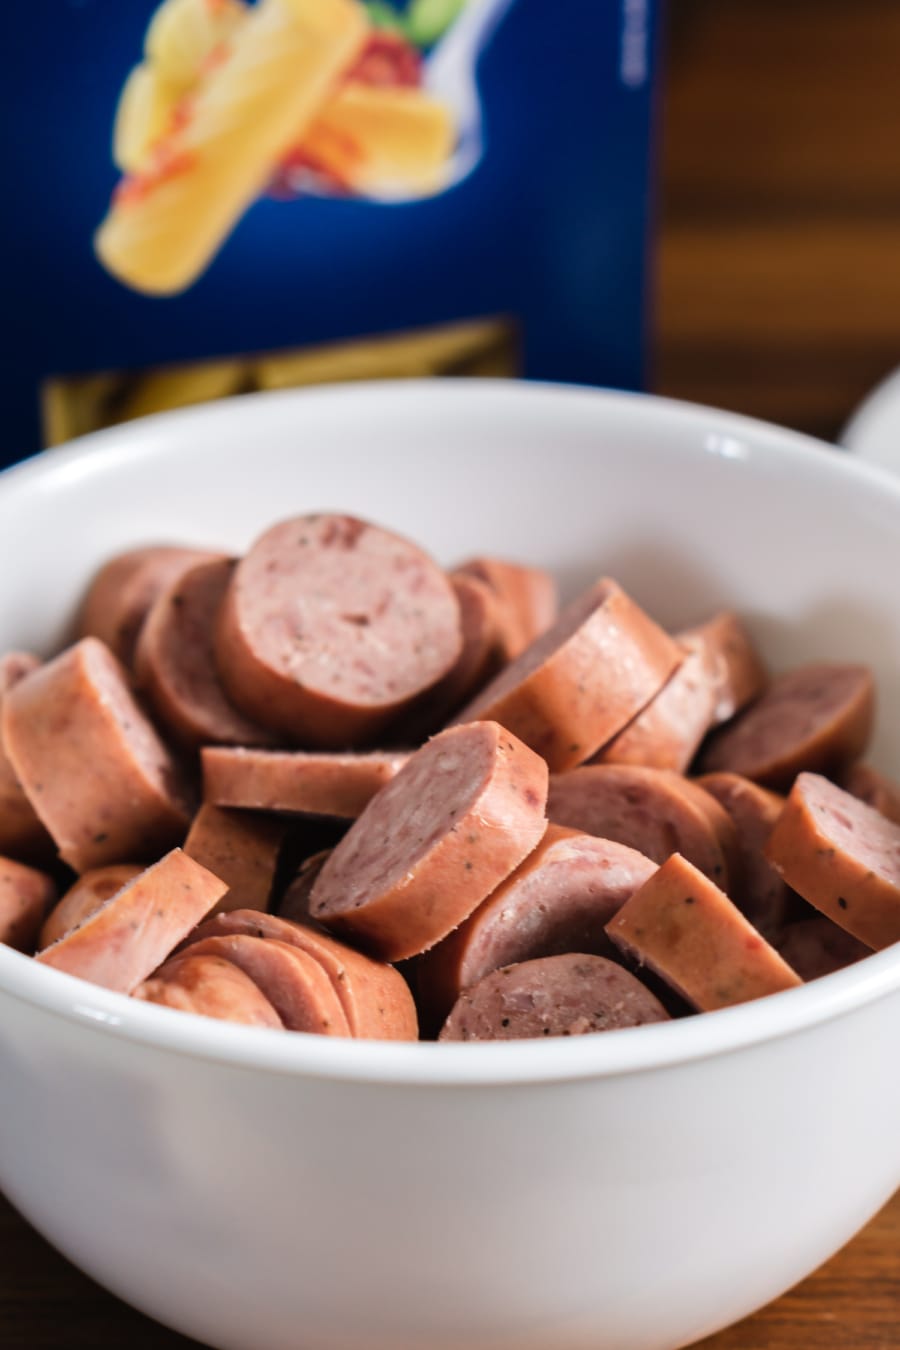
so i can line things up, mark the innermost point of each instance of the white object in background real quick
(873, 431)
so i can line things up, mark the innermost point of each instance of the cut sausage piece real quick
(580, 683)
(294, 904)
(25, 897)
(311, 783)
(652, 810)
(817, 718)
(121, 593)
(558, 900)
(816, 947)
(175, 666)
(875, 789)
(734, 664)
(375, 998)
(760, 893)
(842, 856)
(241, 848)
(21, 833)
(330, 626)
(293, 982)
(567, 995)
(209, 987)
(94, 769)
(460, 815)
(526, 595)
(89, 893)
(680, 925)
(122, 943)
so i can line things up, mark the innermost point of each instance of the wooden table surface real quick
(779, 295)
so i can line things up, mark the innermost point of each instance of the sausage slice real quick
(311, 783)
(736, 668)
(577, 685)
(240, 847)
(875, 789)
(294, 904)
(842, 856)
(568, 995)
(330, 626)
(209, 987)
(526, 597)
(21, 833)
(682, 927)
(759, 892)
(89, 893)
(816, 947)
(459, 816)
(25, 897)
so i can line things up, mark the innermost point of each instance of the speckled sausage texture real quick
(121, 593)
(567, 995)
(556, 901)
(21, 832)
(92, 765)
(209, 987)
(375, 999)
(463, 812)
(760, 892)
(89, 893)
(842, 856)
(331, 626)
(124, 941)
(25, 897)
(816, 718)
(240, 847)
(175, 666)
(682, 927)
(307, 782)
(580, 683)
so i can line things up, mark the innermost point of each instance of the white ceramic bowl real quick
(629, 1191)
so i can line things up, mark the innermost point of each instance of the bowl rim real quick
(423, 1064)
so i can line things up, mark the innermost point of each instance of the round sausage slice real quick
(121, 593)
(682, 927)
(318, 784)
(21, 833)
(375, 998)
(575, 687)
(293, 982)
(209, 987)
(175, 667)
(817, 719)
(240, 847)
(526, 597)
(330, 626)
(842, 856)
(89, 893)
(25, 897)
(875, 789)
(816, 947)
(94, 768)
(558, 900)
(760, 893)
(568, 995)
(460, 815)
(735, 666)
(294, 904)
(656, 812)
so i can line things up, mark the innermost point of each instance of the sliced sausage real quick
(817, 719)
(459, 816)
(816, 947)
(240, 847)
(122, 943)
(330, 626)
(875, 789)
(319, 784)
(25, 897)
(575, 687)
(680, 925)
(89, 893)
(94, 769)
(558, 900)
(293, 982)
(736, 668)
(175, 667)
(294, 904)
(567, 995)
(209, 987)
(526, 595)
(21, 833)
(375, 998)
(652, 810)
(121, 593)
(842, 856)
(760, 893)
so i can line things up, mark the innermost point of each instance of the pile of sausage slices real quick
(330, 787)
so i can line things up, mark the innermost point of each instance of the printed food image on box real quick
(284, 98)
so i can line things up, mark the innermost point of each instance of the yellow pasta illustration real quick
(183, 34)
(168, 221)
(145, 114)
